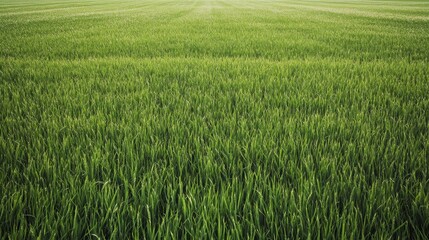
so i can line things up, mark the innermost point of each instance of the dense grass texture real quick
(216, 119)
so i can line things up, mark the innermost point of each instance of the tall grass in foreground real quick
(214, 119)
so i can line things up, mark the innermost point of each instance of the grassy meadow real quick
(214, 119)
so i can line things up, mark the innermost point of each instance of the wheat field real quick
(214, 119)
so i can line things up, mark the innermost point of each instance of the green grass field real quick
(174, 119)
